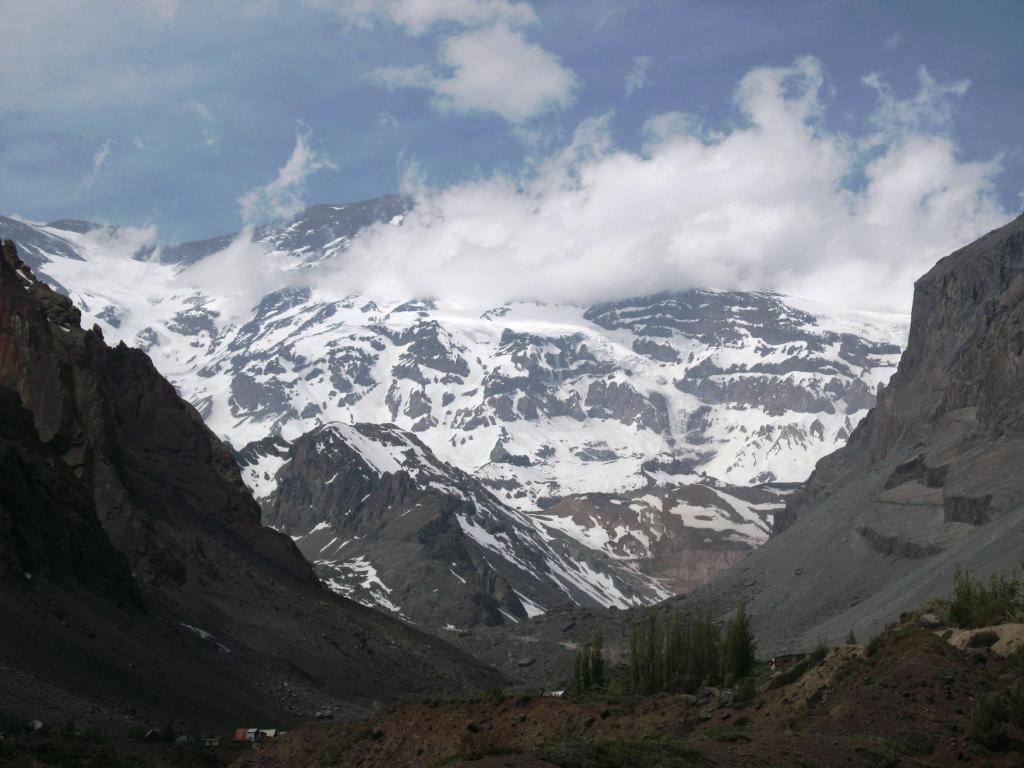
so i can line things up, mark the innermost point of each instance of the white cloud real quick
(930, 110)
(636, 80)
(99, 160)
(494, 70)
(892, 41)
(486, 64)
(387, 120)
(416, 76)
(200, 109)
(769, 204)
(420, 16)
(282, 197)
(208, 122)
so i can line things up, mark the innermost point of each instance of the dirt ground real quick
(907, 703)
(1011, 637)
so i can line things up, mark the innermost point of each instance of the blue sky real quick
(197, 103)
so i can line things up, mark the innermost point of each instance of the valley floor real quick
(905, 701)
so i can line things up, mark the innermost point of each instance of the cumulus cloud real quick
(776, 202)
(485, 63)
(636, 80)
(282, 197)
(491, 70)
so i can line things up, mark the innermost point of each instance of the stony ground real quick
(905, 701)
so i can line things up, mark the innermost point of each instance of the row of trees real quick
(685, 653)
(678, 655)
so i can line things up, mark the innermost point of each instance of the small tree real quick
(576, 684)
(739, 647)
(588, 667)
(643, 654)
(704, 651)
(597, 662)
(851, 639)
(585, 680)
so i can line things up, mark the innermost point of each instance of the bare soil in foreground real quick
(906, 700)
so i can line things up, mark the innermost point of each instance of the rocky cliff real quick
(151, 571)
(931, 478)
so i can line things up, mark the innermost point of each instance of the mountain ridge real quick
(210, 612)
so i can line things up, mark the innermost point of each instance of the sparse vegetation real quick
(666, 752)
(1015, 702)
(976, 604)
(988, 721)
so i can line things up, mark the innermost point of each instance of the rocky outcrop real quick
(102, 449)
(48, 523)
(931, 477)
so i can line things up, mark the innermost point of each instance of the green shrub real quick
(975, 604)
(1015, 704)
(988, 721)
(746, 690)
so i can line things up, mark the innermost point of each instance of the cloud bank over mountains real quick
(786, 192)
(776, 202)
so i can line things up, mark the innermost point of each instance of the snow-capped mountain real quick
(540, 401)
(531, 403)
(385, 522)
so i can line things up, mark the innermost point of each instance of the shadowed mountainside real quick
(155, 591)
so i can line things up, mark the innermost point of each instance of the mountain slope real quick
(930, 479)
(232, 619)
(680, 532)
(389, 524)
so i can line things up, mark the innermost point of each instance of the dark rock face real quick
(384, 538)
(931, 478)
(48, 523)
(319, 228)
(132, 478)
